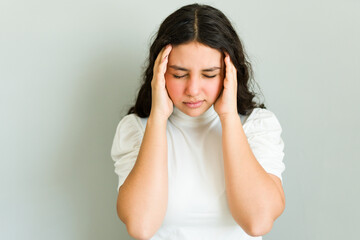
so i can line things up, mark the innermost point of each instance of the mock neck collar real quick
(179, 117)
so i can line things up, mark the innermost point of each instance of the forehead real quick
(195, 55)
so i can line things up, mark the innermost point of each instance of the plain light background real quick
(69, 71)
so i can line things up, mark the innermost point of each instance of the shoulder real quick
(261, 119)
(129, 124)
(263, 131)
(128, 135)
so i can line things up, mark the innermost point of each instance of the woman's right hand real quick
(161, 105)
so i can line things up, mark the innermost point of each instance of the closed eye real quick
(175, 76)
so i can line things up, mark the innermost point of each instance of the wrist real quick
(157, 118)
(226, 117)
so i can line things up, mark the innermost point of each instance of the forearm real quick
(253, 197)
(142, 199)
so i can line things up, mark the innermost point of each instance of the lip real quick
(194, 104)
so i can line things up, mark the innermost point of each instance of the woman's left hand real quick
(226, 104)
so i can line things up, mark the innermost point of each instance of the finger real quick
(159, 58)
(165, 58)
(166, 52)
(231, 66)
(231, 78)
(229, 72)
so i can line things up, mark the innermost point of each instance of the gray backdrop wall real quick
(70, 70)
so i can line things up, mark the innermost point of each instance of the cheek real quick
(215, 88)
(174, 88)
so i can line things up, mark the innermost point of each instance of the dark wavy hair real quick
(209, 26)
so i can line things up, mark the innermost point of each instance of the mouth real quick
(194, 104)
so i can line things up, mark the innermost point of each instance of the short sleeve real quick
(126, 146)
(263, 131)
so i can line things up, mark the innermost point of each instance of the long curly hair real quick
(209, 26)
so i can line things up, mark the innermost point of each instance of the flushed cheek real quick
(213, 90)
(175, 90)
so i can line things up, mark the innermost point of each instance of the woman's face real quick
(194, 77)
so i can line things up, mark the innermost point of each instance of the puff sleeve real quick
(126, 146)
(263, 131)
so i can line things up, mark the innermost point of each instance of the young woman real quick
(196, 157)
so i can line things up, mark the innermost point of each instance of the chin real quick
(194, 112)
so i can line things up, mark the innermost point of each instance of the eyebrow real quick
(187, 70)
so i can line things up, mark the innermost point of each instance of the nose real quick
(193, 86)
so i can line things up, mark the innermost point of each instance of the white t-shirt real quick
(197, 206)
